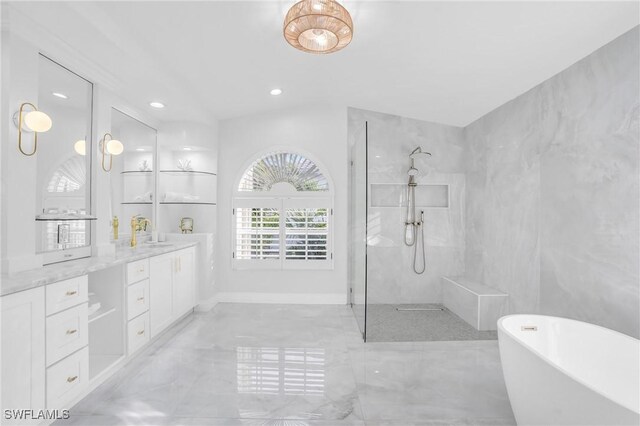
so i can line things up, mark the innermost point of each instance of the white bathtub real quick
(564, 372)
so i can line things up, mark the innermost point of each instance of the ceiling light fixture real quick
(158, 105)
(140, 149)
(276, 92)
(60, 95)
(318, 26)
(186, 148)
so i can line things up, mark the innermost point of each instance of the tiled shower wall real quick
(544, 196)
(552, 193)
(391, 139)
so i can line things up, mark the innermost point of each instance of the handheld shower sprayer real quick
(413, 228)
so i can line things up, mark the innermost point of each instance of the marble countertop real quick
(61, 271)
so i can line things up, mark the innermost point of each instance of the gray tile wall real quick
(552, 193)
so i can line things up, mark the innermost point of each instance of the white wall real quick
(319, 131)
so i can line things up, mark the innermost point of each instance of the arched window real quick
(282, 213)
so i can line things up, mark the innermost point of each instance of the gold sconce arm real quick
(103, 148)
(36, 121)
(110, 147)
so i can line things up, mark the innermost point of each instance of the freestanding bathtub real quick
(565, 372)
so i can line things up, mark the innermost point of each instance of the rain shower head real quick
(418, 151)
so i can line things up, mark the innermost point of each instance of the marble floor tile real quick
(297, 365)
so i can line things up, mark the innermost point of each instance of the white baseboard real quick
(284, 298)
(207, 305)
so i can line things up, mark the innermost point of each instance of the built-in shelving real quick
(194, 203)
(193, 172)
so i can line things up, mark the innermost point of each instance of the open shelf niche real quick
(106, 325)
(187, 186)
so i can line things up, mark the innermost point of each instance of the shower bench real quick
(476, 303)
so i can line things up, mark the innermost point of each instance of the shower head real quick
(418, 151)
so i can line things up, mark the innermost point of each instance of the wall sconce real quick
(32, 121)
(110, 147)
(80, 147)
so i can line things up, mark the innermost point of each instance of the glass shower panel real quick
(358, 225)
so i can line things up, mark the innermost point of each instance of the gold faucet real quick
(115, 224)
(138, 223)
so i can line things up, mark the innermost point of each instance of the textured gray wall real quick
(552, 193)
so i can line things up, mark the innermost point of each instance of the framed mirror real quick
(133, 176)
(63, 201)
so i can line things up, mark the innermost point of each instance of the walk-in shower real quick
(407, 230)
(413, 227)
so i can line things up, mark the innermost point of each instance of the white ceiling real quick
(446, 62)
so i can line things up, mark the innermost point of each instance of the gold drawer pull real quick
(71, 292)
(141, 269)
(140, 299)
(140, 333)
(72, 331)
(72, 379)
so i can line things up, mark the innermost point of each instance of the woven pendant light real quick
(318, 26)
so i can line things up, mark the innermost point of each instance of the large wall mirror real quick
(133, 181)
(63, 202)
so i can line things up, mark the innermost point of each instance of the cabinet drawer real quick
(67, 379)
(138, 332)
(137, 271)
(67, 293)
(66, 332)
(137, 299)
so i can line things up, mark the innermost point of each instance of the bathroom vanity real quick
(54, 351)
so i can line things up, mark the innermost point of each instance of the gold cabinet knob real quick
(72, 379)
(140, 333)
(73, 331)
(71, 292)
(140, 299)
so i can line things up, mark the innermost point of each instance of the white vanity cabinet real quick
(171, 287)
(23, 350)
(160, 290)
(138, 302)
(44, 346)
(184, 282)
(158, 297)
(67, 339)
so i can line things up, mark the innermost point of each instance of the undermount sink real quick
(157, 243)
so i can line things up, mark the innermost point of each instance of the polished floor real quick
(298, 365)
(419, 323)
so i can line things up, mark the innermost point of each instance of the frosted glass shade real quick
(80, 147)
(114, 147)
(318, 26)
(37, 121)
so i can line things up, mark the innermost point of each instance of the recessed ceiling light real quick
(276, 92)
(186, 148)
(140, 149)
(157, 104)
(60, 95)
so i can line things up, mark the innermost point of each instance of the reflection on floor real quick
(298, 365)
(401, 323)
